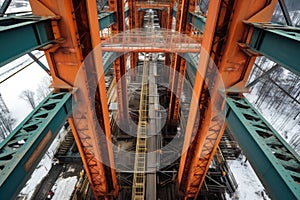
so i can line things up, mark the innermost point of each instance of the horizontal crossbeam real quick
(142, 40)
(106, 19)
(197, 21)
(36, 33)
(280, 44)
(22, 150)
(274, 161)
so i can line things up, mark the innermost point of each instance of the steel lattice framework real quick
(234, 34)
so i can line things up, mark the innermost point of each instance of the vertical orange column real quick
(219, 45)
(120, 66)
(164, 17)
(178, 64)
(132, 25)
(77, 35)
(169, 26)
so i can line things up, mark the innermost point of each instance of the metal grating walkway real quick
(138, 188)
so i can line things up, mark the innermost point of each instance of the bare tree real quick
(43, 88)
(295, 143)
(6, 124)
(6, 120)
(28, 96)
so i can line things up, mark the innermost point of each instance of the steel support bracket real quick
(36, 33)
(280, 44)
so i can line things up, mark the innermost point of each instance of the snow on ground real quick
(29, 78)
(249, 186)
(63, 188)
(43, 167)
(71, 169)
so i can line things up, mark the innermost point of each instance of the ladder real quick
(138, 188)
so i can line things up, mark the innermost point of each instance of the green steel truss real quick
(197, 21)
(22, 150)
(106, 19)
(21, 35)
(274, 161)
(36, 33)
(28, 140)
(280, 44)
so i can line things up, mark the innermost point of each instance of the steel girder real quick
(106, 19)
(219, 45)
(90, 124)
(184, 7)
(120, 65)
(22, 150)
(197, 21)
(274, 161)
(50, 114)
(133, 21)
(280, 44)
(36, 33)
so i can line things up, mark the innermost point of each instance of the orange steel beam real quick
(162, 17)
(140, 17)
(177, 83)
(152, 5)
(120, 65)
(159, 14)
(187, 157)
(141, 41)
(132, 13)
(170, 15)
(182, 26)
(164, 21)
(175, 67)
(132, 25)
(179, 49)
(78, 28)
(169, 26)
(220, 41)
